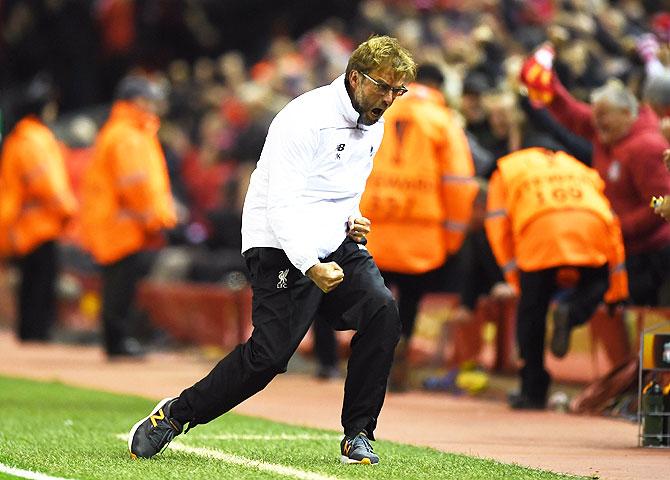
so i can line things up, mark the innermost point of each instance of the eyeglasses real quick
(383, 88)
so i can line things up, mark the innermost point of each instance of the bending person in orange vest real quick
(419, 196)
(36, 201)
(547, 211)
(126, 202)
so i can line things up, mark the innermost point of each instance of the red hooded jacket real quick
(632, 168)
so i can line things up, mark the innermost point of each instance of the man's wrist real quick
(308, 272)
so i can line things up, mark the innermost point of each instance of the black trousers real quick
(119, 285)
(285, 302)
(537, 289)
(325, 343)
(410, 288)
(480, 271)
(37, 292)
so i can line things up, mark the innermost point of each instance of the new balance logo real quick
(159, 416)
(283, 274)
(339, 148)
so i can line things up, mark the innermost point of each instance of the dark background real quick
(65, 39)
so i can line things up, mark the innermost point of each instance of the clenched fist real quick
(327, 276)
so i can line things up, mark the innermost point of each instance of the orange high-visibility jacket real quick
(420, 193)
(536, 187)
(36, 199)
(126, 198)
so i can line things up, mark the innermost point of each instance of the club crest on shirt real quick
(283, 279)
(614, 171)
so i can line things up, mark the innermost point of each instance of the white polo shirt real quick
(310, 176)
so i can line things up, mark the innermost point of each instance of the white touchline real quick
(281, 436)
(247, 462)
(17, 472)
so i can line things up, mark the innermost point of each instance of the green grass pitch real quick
(73, 433)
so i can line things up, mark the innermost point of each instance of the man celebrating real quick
(303, 240)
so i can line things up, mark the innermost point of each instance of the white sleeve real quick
(290, 150)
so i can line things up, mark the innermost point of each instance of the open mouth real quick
(377, 112)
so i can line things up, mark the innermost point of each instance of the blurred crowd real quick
(225, 80)
(87, 46)
(221, 100)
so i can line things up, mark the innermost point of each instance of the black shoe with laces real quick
(357, 449)
(152, 434)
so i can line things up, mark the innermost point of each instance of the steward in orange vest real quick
(126, 198)
(421, 190)
(126, 202)
(547, 212)
(36, 201)
(35, 195)
(419, 197)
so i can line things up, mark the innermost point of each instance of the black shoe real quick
(519, 401)
(152, 434)
(560, 340)
(358, 450)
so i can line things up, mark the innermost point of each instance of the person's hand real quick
(327, 276)
(537, 75)
(663, 208)
(359, 227)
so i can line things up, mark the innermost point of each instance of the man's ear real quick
(354, 78)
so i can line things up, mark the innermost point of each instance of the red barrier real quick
(467, 341)
(198, 313)
(610, 342)
(209, 314)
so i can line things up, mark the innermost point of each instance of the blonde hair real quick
(382, 52)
